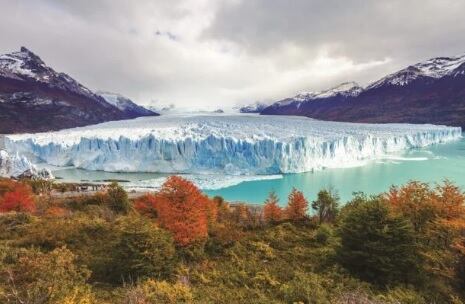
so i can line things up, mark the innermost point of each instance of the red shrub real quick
(146, 205)
(19, 199)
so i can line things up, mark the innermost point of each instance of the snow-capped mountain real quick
(434, 68)
(432, 91)
(126, 105)
(343, 90)
(257, 107)
(346, 89)
(25, 65)
(34, 97)
(301, 102)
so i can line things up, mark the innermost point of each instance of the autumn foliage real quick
(438, 218)
(426, 207)
(182, 209)
(18, 197)
(271, 211)
(297, 206)
(146, 205)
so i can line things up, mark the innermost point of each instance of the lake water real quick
(431, 164)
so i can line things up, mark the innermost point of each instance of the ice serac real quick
(230, 144)
(19, 166)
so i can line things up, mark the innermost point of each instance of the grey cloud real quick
(359, 29)
(221, 52)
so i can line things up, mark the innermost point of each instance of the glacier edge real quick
(224, 144)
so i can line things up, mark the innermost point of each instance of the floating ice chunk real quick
(203, 181)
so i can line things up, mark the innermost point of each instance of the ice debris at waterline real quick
(20, 167)
(203, 181)
(230, 144)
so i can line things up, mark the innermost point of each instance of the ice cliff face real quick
(13, 165)
(19, 166)
(230, 144)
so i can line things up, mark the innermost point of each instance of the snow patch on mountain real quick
(124, 103)
(24, 65)
(343, 89)
(224, 144)
(433, 68)
(256, 107)
(346, 89)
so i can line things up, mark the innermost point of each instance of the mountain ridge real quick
(432, 91)
(36, 98)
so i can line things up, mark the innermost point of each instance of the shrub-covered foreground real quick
(180, 246)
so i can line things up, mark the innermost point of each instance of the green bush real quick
(36, 277)
(118, 199)
(142, 250)
(160, 292)
(307, 288)
(404, 296)
(378, 245)
(323, 233)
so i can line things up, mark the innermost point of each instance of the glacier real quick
(245, 144)
(17, 166)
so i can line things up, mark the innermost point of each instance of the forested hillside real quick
(179, 246)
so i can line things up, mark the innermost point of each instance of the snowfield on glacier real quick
(224, 144)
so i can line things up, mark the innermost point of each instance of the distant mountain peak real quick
(26, 65)
(27, 52)
(46, 99)
(22, 64)
(125, 104)
(435, 68)
(431, 91)
(346, 89)
(256, 107)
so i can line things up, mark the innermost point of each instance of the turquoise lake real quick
(431, 164)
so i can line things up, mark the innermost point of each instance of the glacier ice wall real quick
(13, 165)
(229, 144)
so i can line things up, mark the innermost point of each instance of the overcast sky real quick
(215, 53)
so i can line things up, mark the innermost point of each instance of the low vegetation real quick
(179, 246)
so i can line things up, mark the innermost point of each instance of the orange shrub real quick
(271, 211)
(438, 217)
(184, 210)
(424, 206)
(297, 206)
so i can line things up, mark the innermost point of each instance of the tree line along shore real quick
(177, 245)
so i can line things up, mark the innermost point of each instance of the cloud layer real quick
(216, 54)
